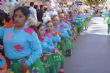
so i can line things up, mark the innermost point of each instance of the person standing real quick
(108, 23)
(40, 14)
(33, 12)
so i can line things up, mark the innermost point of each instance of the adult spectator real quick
(40, 13)
(33, 12)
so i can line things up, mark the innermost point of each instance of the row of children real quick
(105, 13)
(37, 49)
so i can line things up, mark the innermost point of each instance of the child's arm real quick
(36, 49)
(47, 48)
(56, 38)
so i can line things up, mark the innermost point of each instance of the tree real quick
(93, 2)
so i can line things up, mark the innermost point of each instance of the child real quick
(4, 62)
(48, 48)
(66, 20)
(21, 44)
(108, 23)
(53, 35)
(63, 24)
(40, 29)
(55, 38)
(65, 34)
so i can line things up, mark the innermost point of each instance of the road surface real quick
(92, 52)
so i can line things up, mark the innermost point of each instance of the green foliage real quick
(93, 2)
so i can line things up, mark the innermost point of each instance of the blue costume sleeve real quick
(56, 38)
(47, 48)
(69, 31)
(36, 49)
(1, 32)
(64, 33)
(68, 27)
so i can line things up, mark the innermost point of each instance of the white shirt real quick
(33, 13)
(46, 17)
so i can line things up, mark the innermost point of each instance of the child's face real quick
(55, 21)
(61, 17)
(76, 12)
(19, 19)
(41, 31)
(73, 14)
(66, 17)
(49, 27)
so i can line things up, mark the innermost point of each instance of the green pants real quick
(74, 33)
(65, 44)
(108, 28)
(37, 66)
(80, 27)
(49, 64)
(58, 61)
(54, 62)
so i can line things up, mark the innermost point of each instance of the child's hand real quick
(45, 56)
(57, 51)
(23, 68)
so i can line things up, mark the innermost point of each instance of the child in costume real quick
(26, 51)
(63, 24)
(48, 49)
(108, 23)
(4, 62)
(54, 37)
(5, 20)
(56, 27)
(74, 28)
(67, 18)
(2, 19)
(40, 29)
(65, 34)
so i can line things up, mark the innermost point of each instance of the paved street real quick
(92, 52)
